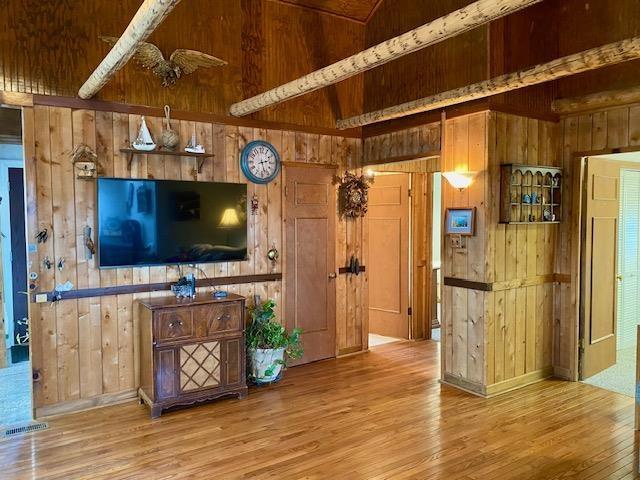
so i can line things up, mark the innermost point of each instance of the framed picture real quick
(460, 221)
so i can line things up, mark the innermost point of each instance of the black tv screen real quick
(163, 222)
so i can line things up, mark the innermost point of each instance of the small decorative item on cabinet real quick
(530, 194)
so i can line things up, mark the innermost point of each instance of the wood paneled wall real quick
(51, 48)
(521, 257)
(435, 69)
(496, 340)
(86, 350)
(584, 24)
(424, 139)
(599, 131)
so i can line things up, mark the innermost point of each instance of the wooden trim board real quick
(507, 284)
(518, 382)
(104, 106)
(156, 287)
(498, 388)
(85, 404)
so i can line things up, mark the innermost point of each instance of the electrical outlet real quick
(41, 298)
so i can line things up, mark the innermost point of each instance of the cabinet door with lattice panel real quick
(200, 366)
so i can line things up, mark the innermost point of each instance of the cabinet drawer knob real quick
(176, 323)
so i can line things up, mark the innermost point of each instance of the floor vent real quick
(33, 427)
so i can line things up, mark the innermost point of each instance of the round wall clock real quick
(260, 162)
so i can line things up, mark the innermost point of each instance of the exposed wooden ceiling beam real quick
(147, 18)
(455, 23)
(596, 101)
(562, 67)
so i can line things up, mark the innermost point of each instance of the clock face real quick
(260, 162)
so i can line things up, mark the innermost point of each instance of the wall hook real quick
(61, 264)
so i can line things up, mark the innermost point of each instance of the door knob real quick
(332, 275)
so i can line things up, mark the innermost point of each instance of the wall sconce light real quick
(459, 180)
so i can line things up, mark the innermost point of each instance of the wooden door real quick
(310, 299)
(388, 265)
(599, 266)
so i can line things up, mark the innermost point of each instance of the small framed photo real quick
(460, 221)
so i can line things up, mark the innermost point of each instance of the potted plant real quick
(269, 344)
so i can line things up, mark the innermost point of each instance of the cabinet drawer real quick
(214, 319)
(174, 324)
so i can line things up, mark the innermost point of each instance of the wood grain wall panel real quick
(86, 349)
(586, 24)
(424, 139)
(499, 339)
(51, 48)
(416, 75)
(522, 40)
(598, 131)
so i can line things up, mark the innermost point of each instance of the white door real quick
(628, 259)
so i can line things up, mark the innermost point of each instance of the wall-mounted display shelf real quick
(530, 194)
(200, 156)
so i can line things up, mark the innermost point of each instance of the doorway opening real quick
(15, 365)
(404, 252)
(611, 272)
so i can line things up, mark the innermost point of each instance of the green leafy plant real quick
(265, 333)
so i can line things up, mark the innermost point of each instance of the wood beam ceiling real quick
(462, 20)
(592, 59)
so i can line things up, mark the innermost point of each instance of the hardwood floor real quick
(373, 416)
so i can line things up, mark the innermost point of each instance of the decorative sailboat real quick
(144, 142)
(193, 146)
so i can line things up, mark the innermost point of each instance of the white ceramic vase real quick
(263, 360)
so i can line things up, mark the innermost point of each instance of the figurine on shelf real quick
(526, 199)
(193, 146)
(144, 142)
(547, 215)
(169, 138)
(534, 198)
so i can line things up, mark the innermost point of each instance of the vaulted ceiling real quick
(359, 10)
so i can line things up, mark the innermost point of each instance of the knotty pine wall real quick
(86, 350)
(424, 139)
(598, 131)
(499, 339)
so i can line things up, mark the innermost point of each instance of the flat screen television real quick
(165, 222)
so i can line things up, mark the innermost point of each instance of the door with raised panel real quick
(388, 263)
(310, 297)
(599, 265)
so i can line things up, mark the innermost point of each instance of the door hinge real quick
(409, 192)
(581, 344)
(409, 311)
(286, 190)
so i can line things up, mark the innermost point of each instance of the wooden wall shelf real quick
(201, 156)
(530, 194)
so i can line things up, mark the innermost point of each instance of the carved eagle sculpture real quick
(181, 62)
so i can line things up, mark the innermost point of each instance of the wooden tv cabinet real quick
(191, 350)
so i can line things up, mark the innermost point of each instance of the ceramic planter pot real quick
(266, 364)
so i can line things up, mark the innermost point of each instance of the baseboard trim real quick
(74, 406)
(519, 382)
(463, 384)
(345, 352)
(563, 373)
